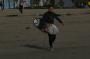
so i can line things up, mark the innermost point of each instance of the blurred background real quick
(7, 4)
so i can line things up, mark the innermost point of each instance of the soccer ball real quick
(36, 22)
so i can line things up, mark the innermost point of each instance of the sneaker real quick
(51, 49)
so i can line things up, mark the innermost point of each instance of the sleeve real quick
(57, 18)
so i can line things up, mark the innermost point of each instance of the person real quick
(1, 5)
(21, 7)
(47, 19)
(89, 4)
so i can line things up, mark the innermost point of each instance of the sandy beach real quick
(16, 42)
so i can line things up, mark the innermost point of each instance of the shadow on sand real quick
(11, 15)
(35, 47)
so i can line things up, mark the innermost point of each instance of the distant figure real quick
(21, 7)
(41, 3)
(1, 5)
(89, 4)
(47, 25)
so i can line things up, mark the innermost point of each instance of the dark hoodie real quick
(50, 17)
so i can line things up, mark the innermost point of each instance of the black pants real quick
(51, 39)
(21, 9)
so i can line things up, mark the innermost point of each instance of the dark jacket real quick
(50, 17)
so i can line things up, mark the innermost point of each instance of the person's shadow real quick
(34, 46)
(11, 15)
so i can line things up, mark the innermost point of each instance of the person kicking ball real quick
(47, 25)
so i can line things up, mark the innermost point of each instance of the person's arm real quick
(60, 21)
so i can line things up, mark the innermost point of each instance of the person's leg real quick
(21, 10)
(51, 40)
